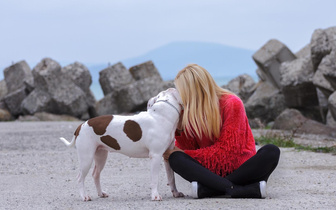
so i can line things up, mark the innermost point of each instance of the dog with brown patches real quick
(147, 134)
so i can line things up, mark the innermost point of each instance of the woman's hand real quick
(168, 152)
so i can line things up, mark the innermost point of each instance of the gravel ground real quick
(37, 171)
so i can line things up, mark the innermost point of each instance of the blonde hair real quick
(200, 95)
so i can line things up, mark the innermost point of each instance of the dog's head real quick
(170, 95)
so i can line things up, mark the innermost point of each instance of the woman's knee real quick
(175, 159)
(179, 161)
(273, 152)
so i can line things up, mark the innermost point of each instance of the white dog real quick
(147, 134)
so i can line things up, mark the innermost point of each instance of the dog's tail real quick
(67, 143)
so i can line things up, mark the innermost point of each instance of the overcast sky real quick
(105, 31)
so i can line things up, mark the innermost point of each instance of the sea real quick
(98, 92)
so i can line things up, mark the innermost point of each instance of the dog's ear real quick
(151, 102)
(176, 95)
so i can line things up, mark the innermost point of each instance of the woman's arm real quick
(170, 151)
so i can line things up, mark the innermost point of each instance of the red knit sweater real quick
(235, 145)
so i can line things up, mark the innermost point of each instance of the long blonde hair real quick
(200, 95)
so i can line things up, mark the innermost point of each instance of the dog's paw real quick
(156, 197)
(177, 194)
(103, 195)
(87, 198)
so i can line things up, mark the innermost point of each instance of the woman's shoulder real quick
(230, 99)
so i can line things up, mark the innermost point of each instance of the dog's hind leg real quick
(100, 160)
(85, 157)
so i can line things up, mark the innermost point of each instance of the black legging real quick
(257, 168)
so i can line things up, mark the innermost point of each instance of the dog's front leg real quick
(155, 169)
(171, 181)
(171, 177)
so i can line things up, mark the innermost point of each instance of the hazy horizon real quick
(111, 31)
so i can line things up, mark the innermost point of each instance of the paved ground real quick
(37, 171)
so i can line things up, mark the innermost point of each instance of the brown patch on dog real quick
(133, 130)
(99, 124)
(78, 130)
(110, 141)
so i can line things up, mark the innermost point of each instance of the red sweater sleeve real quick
(234, 146)
(185, 143)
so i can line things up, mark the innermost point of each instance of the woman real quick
(215, 148)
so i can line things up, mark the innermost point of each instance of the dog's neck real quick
(166, 101)
(173, 110)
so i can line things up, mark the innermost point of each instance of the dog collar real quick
(166, 101)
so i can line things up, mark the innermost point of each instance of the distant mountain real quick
(219, 60)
